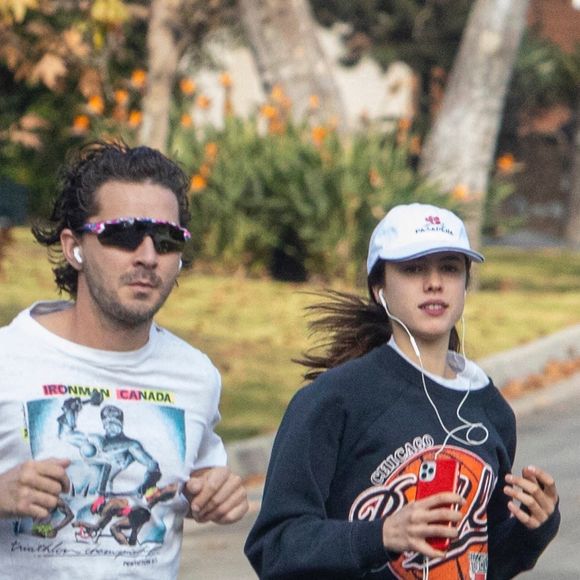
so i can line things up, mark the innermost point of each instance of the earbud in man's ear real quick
(180, 265)
(77, 254)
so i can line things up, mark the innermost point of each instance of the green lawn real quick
(253, 328)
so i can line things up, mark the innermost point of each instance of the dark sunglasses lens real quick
(122, 235)
(166, 238)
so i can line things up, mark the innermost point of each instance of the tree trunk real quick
(573, 222)
(163, 57)
(460, 148)
(283, 38)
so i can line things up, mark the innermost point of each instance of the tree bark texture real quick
(287, 51)
(459, 150)
(163, 58)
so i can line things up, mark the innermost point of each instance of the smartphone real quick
(436, 476)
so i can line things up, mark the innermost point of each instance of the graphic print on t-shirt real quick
(467, 554)
(126, 447)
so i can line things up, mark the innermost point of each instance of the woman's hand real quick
(536, 493)
(409, 528)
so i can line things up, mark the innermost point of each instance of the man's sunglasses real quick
(129, 233)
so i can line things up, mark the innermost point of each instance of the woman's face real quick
(427, 294)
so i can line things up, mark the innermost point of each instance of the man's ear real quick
(68, 243)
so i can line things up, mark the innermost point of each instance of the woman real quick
(392, 396)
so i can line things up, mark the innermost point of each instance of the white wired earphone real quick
(465, 424)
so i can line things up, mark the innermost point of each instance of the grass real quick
(252, 328)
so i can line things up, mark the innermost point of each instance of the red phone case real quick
(435, 477)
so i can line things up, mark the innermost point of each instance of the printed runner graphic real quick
(120, 442)
(467, 555)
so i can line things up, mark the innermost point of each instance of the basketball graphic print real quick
(466, 556)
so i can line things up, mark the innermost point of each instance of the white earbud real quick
(77, 254)
(180, 265)
(411, 337)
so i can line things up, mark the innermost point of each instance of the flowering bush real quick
(292, 199)
(270, 195)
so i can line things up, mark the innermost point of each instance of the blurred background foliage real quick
(296, 200)
(269, 195)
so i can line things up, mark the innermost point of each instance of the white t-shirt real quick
(134, 425)
(469, 376)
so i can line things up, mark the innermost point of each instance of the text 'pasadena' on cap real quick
(415, 230)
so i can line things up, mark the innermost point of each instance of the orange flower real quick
(186, 120)
(187, 86)
(198, 182)
(403, 130)
(276, 126)
(375, 178)
(211, 150)
(81, 124)
(277, 94)
(226, 80)
(228, 106)
(415, 145)
(404, 124)
(138, 78)
(121, 97)
(203, 102)
(268, 111)
(460, 192)
(505, 163)
(96, 105)
(318, 134)
(135, 118)
(313, 102)
(205, 170)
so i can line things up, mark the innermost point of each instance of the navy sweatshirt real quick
(347, 455)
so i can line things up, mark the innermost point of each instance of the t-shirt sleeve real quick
(212, 452)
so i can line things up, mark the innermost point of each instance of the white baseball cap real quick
(415, 230)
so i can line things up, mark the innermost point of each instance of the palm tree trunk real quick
(459, 151)
(287, 51)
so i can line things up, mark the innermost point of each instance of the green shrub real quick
(296, 202)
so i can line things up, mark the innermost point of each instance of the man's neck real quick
(89, 329)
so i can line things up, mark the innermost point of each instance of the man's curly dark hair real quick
(83, 173)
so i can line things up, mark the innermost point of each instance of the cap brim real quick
(403, 257)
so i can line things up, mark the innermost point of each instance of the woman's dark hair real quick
(84, 172)
(351, 326)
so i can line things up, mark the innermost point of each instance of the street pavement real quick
(548, 435)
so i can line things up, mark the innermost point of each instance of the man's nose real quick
(146, 254)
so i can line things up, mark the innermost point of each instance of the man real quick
(67, 491)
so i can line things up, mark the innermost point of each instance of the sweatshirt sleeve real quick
(293, 537)
(514, 548)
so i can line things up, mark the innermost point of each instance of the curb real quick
(250, 457)
(531, 358)
(535, 402)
